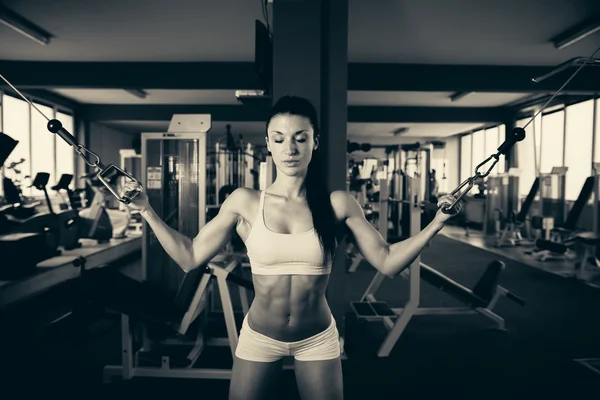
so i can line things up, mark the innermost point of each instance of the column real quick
(310, 59)
(512, 162)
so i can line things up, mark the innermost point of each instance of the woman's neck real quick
(291, 187)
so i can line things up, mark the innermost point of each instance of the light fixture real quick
(576, 33)
(458, 95)
(255, 98)
(22, 25)
(137, 93)
(399, 131)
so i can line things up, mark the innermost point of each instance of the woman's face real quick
(291, 141)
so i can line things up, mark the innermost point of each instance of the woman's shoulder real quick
(243, 201)
(340, 197)
(343, 203)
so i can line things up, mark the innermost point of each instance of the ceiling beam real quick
(375, 114)
(164, 112)
(116, 112)
(468, 78)
(130, 75)
(241, 75)
(49, 98)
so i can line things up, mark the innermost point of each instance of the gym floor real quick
(518, 253)
(436, 356)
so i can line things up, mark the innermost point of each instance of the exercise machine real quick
(230, 166)
(558, 246)
(378, 217)
(512, 233)
(552, 194)
(357, 182)
(21, 235)
(181, 203)
(66, 220)
(571, 242)
(376, 209)
(73, 199)
(12, 243)
(58, 227)
(481, 299)
(174, 175)
(417, 162)
(184, 336)
(96, 220)
(592, 364)
(15, 203)
(498, 204)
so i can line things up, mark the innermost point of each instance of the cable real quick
(24, 98)
(590, 58)
(518, 134)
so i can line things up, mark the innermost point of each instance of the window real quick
(465, 157)
(526, 154)
(42, 146)
(16, 125)
(491, 147)
(578, 146)
(478, 154)
(65, 155)
(553, 128)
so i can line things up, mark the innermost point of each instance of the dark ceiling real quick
(406, 58)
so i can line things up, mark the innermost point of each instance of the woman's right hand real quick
(140, 202)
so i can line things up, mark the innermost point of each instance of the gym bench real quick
(480, 300)
(557, 248)
(179, 347)
(579, 248)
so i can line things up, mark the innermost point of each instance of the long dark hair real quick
(315, 185)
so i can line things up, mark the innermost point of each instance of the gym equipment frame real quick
(480, 300)
(221, 268)
(191, 127)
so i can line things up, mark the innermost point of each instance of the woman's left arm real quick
(389, 259)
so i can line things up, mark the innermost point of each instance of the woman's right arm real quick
(213, 237)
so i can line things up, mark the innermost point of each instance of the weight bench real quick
(484, 295)
(580, 248)
(479, 300)
(176, 352)
(561, 237)
(588, 265)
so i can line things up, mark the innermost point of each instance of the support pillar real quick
(310, 59)
(512, 161)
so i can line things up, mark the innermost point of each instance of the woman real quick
(289, 232)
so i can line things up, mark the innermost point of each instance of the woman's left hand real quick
(440, 216)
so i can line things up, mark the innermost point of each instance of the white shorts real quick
(254, 346)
